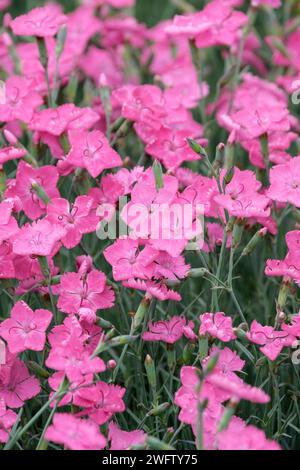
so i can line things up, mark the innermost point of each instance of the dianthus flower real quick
(25, 329)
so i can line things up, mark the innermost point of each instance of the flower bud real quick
(158, 175)
(111, 364)
(10, 137)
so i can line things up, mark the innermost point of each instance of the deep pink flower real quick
(57, 121)
(78, 292)
(40, 22)
(11, 153)
(23, 186)
(7, 420)
(91, 150)
(74, 433)
(25, 329)
(271, 341)
(38, 239)
(20, 100)
(16, 385)
(129, 260)
(8, 224)
(76, 219)
(217, 325)
(101, 401)
(123, 440)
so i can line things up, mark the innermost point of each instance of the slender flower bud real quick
(158, 175)
(250, 247)
(151, 373)
(10, 137)
(228, 414)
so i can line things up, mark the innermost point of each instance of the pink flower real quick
(39, 22)
(123, 440)
(74, 359)
(285, 182)
(38, 239)
(168, 331)
(101, 401)
(11, 153)
(89, 291)
(16, 385)
(271, 341)
(25, 329)
(271, 3)
(7, 267)
(216, 24)
(242, 197)
(293, 329)
(228, 362)
(91, 150)
(4, 4)
(238, 436)
(20, 100)
(23, 186)
(129, 260)
(217, 325)
(76, 219)
(238, 390)
(171, 148)
(57, 121)
(7, 420)
(74, 433)
(8, 225)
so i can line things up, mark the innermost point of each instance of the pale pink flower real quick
(216, 24)
(90, 291)
(271, 3)
(217, 325)
(75, 433)
(123, 440)
(25, 329)
(238, 436)
(39, 22)
(238, 390)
